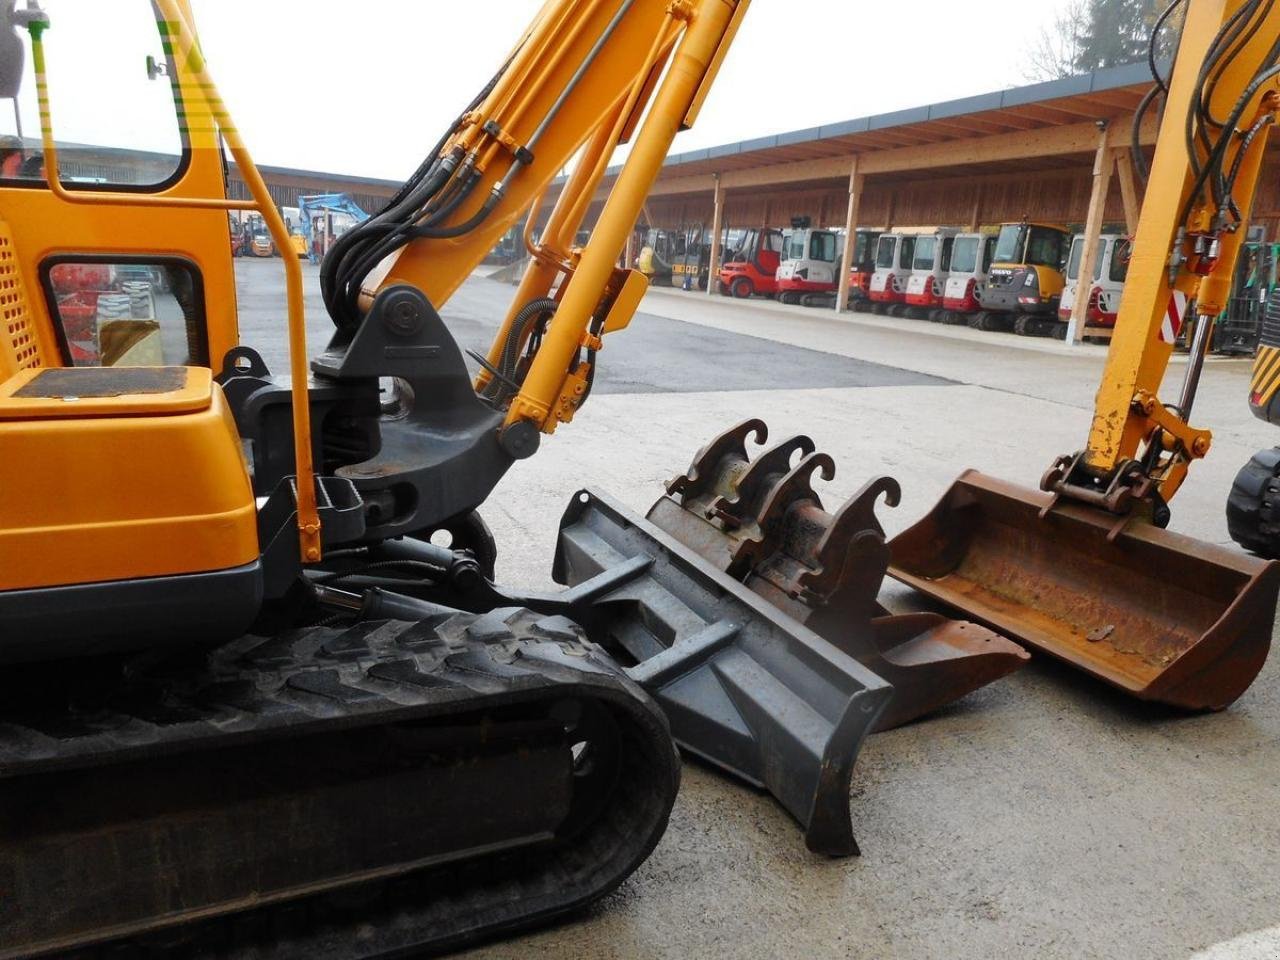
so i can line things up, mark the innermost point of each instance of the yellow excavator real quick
(254, 705)
(1082, 568)
(260, 691)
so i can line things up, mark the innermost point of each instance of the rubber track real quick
(328, 679)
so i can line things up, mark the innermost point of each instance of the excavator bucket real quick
(760, 521)
(1161, 616)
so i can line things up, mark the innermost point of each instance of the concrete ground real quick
(1044, 816)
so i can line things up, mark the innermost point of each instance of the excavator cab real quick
(229, 630)
(112, 317)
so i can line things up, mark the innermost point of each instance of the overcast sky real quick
(367, 87)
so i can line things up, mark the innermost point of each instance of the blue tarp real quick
(308, 207)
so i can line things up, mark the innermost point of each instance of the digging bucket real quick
(1161, 616)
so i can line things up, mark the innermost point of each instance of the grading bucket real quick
(1161, 616)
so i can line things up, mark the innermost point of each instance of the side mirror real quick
(13, 52)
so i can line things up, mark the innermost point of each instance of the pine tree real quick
(1117, 33)
(1094, 34)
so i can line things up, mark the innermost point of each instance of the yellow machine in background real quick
(1026, 280)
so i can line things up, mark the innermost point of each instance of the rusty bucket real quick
(1161, 616)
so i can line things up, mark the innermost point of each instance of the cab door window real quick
(127, 312)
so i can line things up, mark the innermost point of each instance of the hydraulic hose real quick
(529, 314)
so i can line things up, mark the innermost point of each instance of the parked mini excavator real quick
(251, 704)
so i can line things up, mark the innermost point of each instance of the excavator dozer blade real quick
(1161, 616)
(743, 685)
(759, 520)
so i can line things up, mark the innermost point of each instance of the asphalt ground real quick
(1045, 816)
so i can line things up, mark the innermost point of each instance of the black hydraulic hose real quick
(337, 278)
(1135, 145)
(1160, 89)
(422, 185)
(461, 229)
(1221, 188)
(1153, 46)
(1216, 159)
(1248, 30)
(384, 221)
(1245, 144)
(425, 570)
(371, 254)
(515, 336)
(510, 358)
(1197, 132)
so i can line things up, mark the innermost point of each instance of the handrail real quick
(183, 41)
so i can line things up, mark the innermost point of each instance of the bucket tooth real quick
(1161, 616)
(826, 571)
(743, 686)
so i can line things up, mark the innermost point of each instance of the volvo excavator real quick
(254, 705)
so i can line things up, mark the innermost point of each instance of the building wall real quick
(1058, 196)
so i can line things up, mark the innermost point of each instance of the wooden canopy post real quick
(856, 184)
(1103, 163)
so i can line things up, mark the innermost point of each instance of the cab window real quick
(1073, 262)
(823, 247)
(113, 104)
(964, 255)
(885, 252)
(1121, 251)
(908, 252)
(926, 252)
(127, 313)
(862, 247)
(1044, 249)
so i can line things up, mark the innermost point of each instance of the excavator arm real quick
(1220, 105)
(1082, 569)
(574, 89)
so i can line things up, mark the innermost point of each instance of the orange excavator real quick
(262, 695)
(261, 692)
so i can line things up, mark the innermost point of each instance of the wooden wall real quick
(1060, 196)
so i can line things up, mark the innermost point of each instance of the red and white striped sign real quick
(1173, 317)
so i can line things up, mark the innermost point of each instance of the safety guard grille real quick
(20, 351)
